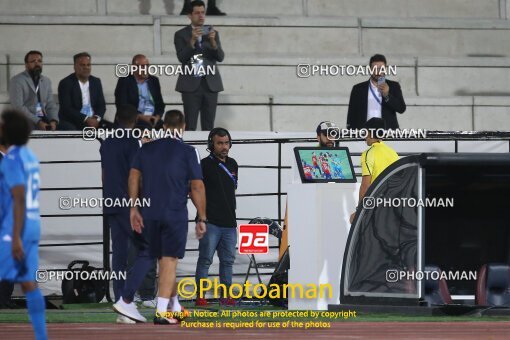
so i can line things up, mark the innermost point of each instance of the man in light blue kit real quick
(20, 220)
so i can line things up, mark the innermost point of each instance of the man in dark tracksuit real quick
(116, 157)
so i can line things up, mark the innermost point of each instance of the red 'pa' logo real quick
(253, 239)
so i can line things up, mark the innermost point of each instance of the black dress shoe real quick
(159, 320)
(180, 316)
(214, 11)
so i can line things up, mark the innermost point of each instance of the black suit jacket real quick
(69, 97)
(358, 104)
(189, 83)
(126, 93)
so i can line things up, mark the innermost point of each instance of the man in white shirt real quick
(81, 96)
(376, 98)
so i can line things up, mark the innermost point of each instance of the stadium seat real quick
(493, 285)
(436, 291)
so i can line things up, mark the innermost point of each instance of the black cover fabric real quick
(470, 159)
(386, 239)
(274, 228)
(432, 288)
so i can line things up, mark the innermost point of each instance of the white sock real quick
(162, 305)
(176, 306)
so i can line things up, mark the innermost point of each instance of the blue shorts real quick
(19, 271)
(167, 238)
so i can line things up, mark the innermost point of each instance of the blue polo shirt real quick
(167, 166)
(116, 157)
(145, 100)
(20, 167)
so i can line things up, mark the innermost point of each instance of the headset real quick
(210, 144)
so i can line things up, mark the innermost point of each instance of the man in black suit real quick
(81, 97)
(375, 98)
(199, 46)
(142, 91)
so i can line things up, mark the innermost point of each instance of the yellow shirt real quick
(377, 158)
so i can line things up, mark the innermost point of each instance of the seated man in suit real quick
(142, 91)
(81, 97)
(375, 98)
(30, 92)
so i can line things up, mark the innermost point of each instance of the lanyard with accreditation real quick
(373, 94)
(221, 165)
(39, 111)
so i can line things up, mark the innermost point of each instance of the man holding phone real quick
(375, 98)
(198, 46)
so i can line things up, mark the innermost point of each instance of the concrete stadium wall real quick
(453, 57)
(276, 36)
(368, 8)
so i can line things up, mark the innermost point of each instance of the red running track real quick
(338, 330)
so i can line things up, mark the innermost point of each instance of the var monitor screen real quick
(323, 164)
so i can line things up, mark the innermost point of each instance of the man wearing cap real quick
(322, 134)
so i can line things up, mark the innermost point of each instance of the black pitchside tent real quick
(475, 231)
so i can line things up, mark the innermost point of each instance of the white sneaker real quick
(128, 310)
(123, 319)
(150, 303)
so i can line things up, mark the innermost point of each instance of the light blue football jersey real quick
(20, 167)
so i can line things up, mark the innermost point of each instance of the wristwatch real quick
(201, 220)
